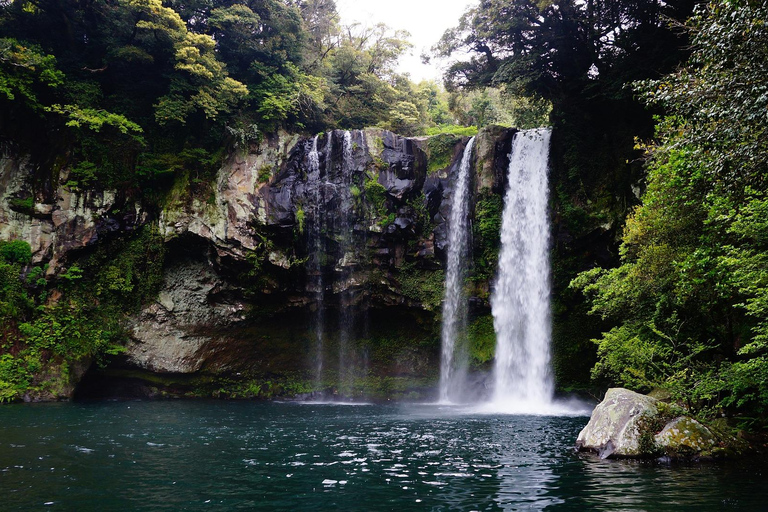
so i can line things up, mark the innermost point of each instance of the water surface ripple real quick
(188, 455)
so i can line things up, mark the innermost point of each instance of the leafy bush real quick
(15, 251)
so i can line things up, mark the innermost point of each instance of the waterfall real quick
(335, 249)
(315, 262)
(520, 299)
(453, 361)
(346, 250)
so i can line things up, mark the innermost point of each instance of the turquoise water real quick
(190, 455)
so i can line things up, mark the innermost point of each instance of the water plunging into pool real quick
(453, 360)
(520, 301)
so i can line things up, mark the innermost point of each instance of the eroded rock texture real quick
(342, 234)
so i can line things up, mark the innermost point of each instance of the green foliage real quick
(281, 97)
(482, 340)
(300, 219)
(193, 165)
(690, 298)
(487, 233)
(452, 129)
(94, 119)
(15, 251)
(26, 205)
(243, 132)
(265, 173)
(376, 196)
(25, 70)
(719, 97)
(15, 376)
(84, 323)
(422, 220)
(440, 151)
(424, 286)
(15, 301)
(490, 105)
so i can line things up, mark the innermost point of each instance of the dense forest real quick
(658, 164)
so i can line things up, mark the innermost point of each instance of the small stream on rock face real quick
(335, 243)
(315, 268)
(218, 455)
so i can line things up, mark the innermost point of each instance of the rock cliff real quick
(308, 263)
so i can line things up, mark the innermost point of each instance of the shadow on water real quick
(190, 455)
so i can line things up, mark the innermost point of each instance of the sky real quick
(426, 20)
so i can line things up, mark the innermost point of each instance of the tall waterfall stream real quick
(453, 360)
(521, 297)
(333, 180)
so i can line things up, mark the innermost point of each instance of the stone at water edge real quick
(615, 426)
(685, 436)
(628, 425)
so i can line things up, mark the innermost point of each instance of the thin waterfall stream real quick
(345, 269)
(453, 360)
(520, 301)
(333, 260)
(315, 263)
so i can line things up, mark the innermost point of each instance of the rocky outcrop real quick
(165, 337)
(617, 423)
(355, 228)
(685, 436)
(56, 219)
(630, 425)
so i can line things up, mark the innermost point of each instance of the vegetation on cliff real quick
(127, 88)
(51, 328)
(148, 97)
(689, 299)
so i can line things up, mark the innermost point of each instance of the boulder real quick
(630, 425)
(615, 427)
(685, 436)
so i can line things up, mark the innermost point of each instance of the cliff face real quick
(309, 264)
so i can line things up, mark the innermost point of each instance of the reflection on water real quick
(246, 456)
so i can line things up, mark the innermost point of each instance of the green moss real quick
(424, 223)
(422, 285)
(487, 235)
(265, 173)
(263, 387)
(26, 205)
(440, 151)
(300, 219)
(649, 425)
(376, 197)
(482, 340)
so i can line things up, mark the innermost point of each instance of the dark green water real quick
(188, 455)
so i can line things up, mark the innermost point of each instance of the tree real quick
(690, 298)
(578, 56)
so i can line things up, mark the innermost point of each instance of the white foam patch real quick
(328, 402)
(567, 407)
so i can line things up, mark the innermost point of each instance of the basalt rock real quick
(630, 425)
(249, 260)
(55, 218)
(615, 427)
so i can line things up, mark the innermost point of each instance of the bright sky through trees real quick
(426, 20)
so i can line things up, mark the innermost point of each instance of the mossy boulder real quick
(616, 425)
(630, 425)
(685, 436)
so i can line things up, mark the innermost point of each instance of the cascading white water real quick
(453, 362)
(521, 295)
(315, 265)
(346, 310)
